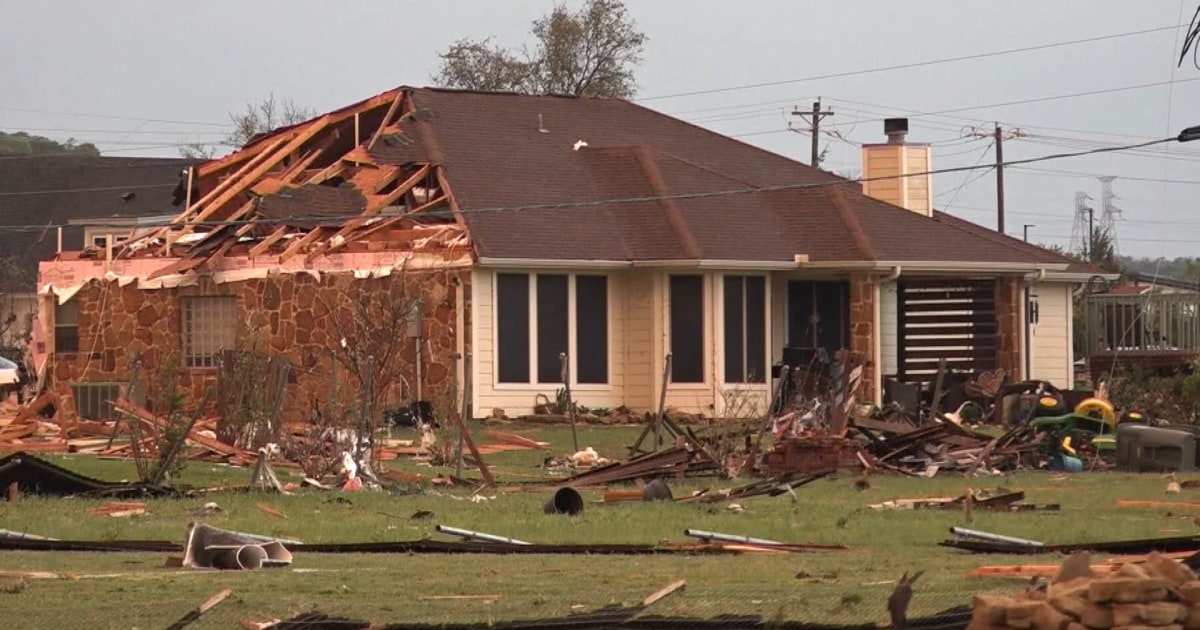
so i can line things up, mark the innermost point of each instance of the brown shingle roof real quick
(504, 150)
(44, 190)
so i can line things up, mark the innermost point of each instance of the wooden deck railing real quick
(1156, 323)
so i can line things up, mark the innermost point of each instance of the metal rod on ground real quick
(177, 444)
(565, 373)
(961, 532)
(711, 536)
(470, 535)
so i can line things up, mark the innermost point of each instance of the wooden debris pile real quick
(998, 500)
(944, 445)
(1158, 593)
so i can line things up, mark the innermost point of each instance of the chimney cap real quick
(895, 125)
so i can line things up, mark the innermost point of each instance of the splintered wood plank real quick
(377, 203)
(268, 186)
(371, 180)
(374, 206)
(179, 266)
(262, 247)
(382, 226)
(448, 193)
(299, 168)
(386, 119)
(249, 176)
(300, 243)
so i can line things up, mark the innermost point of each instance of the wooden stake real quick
(565, 373)
(663, 592)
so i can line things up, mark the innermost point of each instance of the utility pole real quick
(1027, 226)
(814, 123)
(999, 138)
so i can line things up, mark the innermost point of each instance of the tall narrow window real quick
(553, 336)
(591, 329)
(687, 329)
(512, 327)
(745, 311)
(66, 327)
(209, 326)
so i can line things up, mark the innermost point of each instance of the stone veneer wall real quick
(286, 314)
(862, 329)
(1008, 326)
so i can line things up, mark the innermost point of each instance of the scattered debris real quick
(120, 509)
(1158, 592)
(207, 605)
(209, 547)
(1000, 500)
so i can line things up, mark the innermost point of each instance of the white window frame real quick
(720, 306)
(572, 332)
(709, 314)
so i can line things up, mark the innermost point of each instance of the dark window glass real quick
(512, 328)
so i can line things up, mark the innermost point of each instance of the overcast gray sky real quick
(137, 77)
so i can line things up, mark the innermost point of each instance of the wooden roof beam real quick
(379, 227)
(248, 177)
(265, 245)
(449, 194)
(386, 119)
(300, 244)
(377, 203)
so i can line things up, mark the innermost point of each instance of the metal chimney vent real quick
(896, 129)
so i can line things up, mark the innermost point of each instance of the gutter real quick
(535, 263)
(937, 266)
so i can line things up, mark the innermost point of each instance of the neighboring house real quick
(70, 203)
(1152, 321)
(531, 226)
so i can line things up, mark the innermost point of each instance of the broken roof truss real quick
(314, 189)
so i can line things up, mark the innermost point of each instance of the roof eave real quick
(938, 266)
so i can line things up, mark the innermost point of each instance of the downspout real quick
(1028, 295)
(877, 327)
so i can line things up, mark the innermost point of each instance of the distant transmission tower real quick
(1081, 231)
(1109, 212)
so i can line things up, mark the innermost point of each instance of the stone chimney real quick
(885, 166)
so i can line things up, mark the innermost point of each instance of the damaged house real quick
(454, 236)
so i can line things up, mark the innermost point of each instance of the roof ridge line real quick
(674, 214)
(1010, 242)
(850, 218)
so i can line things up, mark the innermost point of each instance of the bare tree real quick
(590, 52)
(257, 118)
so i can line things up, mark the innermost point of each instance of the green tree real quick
(21, 143)
(590, 52)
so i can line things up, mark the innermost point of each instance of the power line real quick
(163, 132)
(112, 117)
(641, 199)
(916, 64)
(1059, 173)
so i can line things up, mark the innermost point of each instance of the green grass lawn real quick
(135, 590)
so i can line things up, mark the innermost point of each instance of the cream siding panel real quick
(640, 356)
(1051, 336)
(889, 343)
(919, 199)
(883, 161)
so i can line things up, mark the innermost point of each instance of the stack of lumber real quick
(1158, 593)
